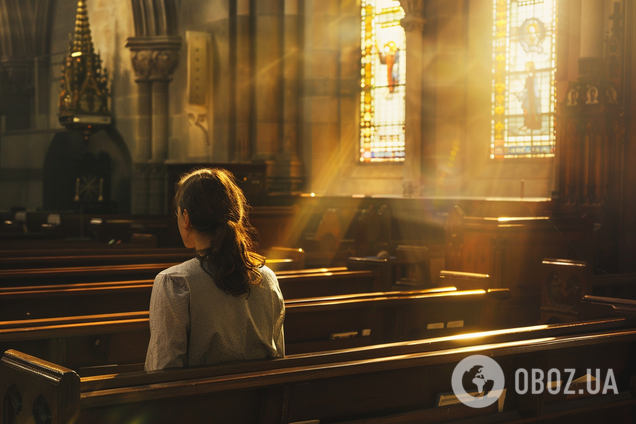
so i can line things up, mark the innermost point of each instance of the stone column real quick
(414, 24)
(154, 59)
(244, 84)
(592, 26)
(141, 63)
(592, 38)
(268, 78)
(321, 150)
(160, 121)
(285, 173)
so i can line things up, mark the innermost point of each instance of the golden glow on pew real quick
(516, 218)
(371, 295)
(496, 345)
(278, 261)
(374, 297)
(462, 274)
(483, 334)
(441, 289)
(463, 292)
(563, 262)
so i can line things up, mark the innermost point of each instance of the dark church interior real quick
(433, 182)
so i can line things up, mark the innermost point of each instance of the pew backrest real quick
(310, 325)
(390, 385)
(43, 301)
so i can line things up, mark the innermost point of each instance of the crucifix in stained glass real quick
(524, 91)
(382, 82)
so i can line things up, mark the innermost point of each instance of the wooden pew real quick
(565, 282)
(97, 273)
(419, 265)
(465, 280)
(90, 257)
(285, 258)
(43, 230)
(597, 306)
(46, 301)
(312, 324)
(79, 274)
(511, 249)
(400, 382)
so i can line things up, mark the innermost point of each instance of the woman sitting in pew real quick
(224, 304)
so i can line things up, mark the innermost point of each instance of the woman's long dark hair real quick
(217, 209)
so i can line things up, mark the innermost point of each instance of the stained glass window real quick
(382, 78)
(524, 91)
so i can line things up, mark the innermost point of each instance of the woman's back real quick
(193, 322)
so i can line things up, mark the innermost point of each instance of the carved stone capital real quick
(142, 63)
(164, 62)
(414, 19)
(413, 24)
(414, 11)
(154, 58)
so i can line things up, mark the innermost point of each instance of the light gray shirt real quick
(193, 322)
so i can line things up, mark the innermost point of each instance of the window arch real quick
(524, 90)
(382, 81)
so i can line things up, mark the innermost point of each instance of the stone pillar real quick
(244, 84)
(322, 151)
(268, 78)
(144, 127)
(143, 153)
(592, 26)
(592, 38)
(285, 175)
(160, 121)
(414, 24)
(154, 59)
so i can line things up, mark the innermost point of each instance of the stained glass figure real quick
(524, 91)
(382, 82)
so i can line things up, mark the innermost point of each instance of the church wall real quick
(501, 178)
(21, 158)
(284, 89)
(22, 151)
(322, 140)
(200, 132)
(444, 99)
(62, 22)
(331, 91)
(252, 109)
(484, 176)
(109, 38)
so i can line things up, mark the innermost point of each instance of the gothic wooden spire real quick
(83, 99)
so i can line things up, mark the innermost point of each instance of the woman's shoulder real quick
(267, 273)
(269, 279)
(183, 269)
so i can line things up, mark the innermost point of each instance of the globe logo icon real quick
(478, 381)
